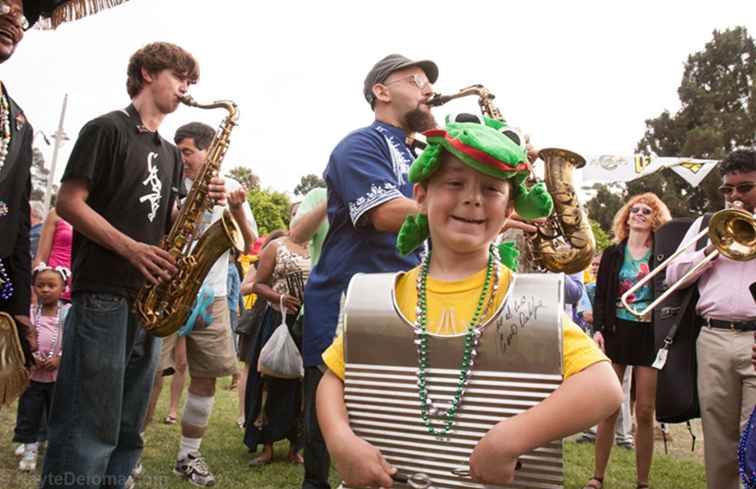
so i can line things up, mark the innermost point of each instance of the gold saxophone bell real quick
(731, 231)
(565, 243)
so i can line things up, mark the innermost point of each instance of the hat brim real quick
(428, 66)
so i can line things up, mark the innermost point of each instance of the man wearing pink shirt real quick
(726, 378)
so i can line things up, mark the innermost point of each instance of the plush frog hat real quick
(486, 147)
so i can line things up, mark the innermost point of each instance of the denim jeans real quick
(101, 396)
(317, 461)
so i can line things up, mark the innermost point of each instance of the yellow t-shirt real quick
(451, 306)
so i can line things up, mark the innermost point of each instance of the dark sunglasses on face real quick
(742, 188)
(645, 210)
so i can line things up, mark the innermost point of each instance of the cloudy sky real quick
(582, 75)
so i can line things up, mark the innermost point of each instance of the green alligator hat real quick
(486, 148)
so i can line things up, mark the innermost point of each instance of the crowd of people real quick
(386, 280)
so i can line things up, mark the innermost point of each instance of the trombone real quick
(733, 234)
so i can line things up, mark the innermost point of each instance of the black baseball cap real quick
(390, 64)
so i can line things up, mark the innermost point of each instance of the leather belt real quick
(733, 325)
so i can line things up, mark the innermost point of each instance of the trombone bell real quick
(733, 234)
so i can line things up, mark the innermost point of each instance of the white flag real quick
(624, 168)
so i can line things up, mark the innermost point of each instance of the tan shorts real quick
(210, 350)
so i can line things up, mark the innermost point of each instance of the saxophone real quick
(565, 242)
(165, 307)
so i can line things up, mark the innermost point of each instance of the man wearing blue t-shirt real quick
(369, 195)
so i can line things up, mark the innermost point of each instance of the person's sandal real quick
(260, 461)
(642, 485)
(169, 419)
(592, 485)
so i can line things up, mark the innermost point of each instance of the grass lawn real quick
(227, 457)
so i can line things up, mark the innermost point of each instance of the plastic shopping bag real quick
(280, 356)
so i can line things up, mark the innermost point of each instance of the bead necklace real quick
(6, 287)
(5, 128)
(54, 341)
(472, 339)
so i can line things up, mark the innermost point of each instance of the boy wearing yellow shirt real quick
(467, 181)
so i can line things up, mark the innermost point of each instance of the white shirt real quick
(217, 277)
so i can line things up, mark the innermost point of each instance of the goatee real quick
(418, 120)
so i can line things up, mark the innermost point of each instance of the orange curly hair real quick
(660, 216)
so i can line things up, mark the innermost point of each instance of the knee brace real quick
(197, 410)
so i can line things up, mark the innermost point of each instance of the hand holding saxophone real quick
(216, 190)
(155, 263)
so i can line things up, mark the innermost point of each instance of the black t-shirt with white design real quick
(134, 177)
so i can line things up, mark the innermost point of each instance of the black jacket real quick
(15, 189)
(607, 286)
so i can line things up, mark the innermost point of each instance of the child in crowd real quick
(585, 307)
(47, 316)
(467, 182)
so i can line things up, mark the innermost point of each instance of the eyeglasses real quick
(645, 210)
(742, 188)
(417, 80)
(16, 14)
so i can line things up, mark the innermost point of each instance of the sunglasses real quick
(645, 210)
(742, 188)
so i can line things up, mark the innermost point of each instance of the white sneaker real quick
(20, 450)
(28, 462)
(130, 483)
(194, 469)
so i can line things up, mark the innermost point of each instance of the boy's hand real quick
(360, 464)
(487, 465)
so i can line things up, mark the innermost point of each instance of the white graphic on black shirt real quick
(153, 181)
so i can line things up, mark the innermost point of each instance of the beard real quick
(419, 120)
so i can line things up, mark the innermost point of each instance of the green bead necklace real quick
(472, 339)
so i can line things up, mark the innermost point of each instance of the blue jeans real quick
(101, 396)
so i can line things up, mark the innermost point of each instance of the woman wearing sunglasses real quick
(628, 340)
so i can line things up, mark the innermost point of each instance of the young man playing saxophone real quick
(119, 192)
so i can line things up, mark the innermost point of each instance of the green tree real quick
(605, 204)
(271, 209)
(717, 115)
(602, 237)
(307, 183)
(244, 175)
